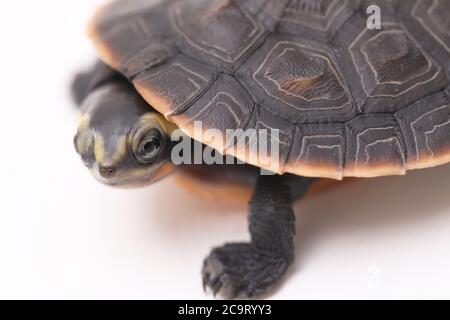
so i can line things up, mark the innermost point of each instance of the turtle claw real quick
(239, 271)
(217, 286)
(215, 278)
(206, 277)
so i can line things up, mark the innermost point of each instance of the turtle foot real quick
(240, 271)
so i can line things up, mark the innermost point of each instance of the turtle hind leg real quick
(86, 82)
(248, 270)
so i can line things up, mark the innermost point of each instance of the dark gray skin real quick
(238, 270)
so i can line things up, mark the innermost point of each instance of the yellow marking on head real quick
(154, 173)
(105, 158)
(165, 124)
(83, 121)
(99, 149)
(84, 142)
(120, 152)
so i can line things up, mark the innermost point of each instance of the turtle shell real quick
(346, 100)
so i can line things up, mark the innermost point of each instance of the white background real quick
(62, 235)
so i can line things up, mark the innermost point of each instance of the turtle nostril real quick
(107, 172)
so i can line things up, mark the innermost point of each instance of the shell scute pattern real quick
(219, 30)
(319, 19)
(299, 80)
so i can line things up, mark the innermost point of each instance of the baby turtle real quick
(343, 100)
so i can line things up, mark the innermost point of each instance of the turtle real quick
(338, 97)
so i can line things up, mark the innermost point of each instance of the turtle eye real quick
(149, 146)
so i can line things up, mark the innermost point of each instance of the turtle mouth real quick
(134, 178)
(125, 184)
(125, 181)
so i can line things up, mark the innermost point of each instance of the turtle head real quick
(121, 139)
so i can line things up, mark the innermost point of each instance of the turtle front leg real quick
(247, 270)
